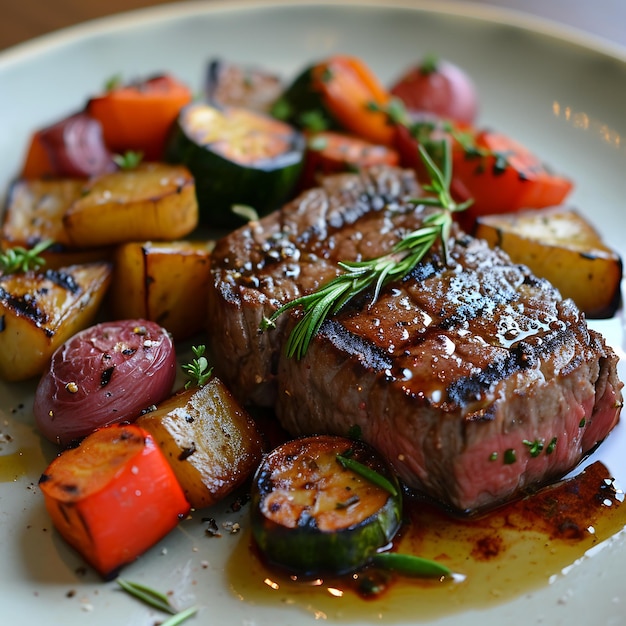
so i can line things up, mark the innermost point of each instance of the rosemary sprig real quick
(374, 274)
(20, 259)
(198, 370)
(156, 600)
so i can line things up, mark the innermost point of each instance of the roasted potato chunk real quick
(562, 246)
(40, 310)
(34, 212)
(153, 201)
(163, 282)
(210, 440)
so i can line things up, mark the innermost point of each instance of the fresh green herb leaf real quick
(493, 456)
(156, 600)
(410, 565)
(198, 370)
(354, 432)
(429, 64)
(314, 120)
(129, 160)
(146, 594)
(20, 259)
(374, 274)
(113, 83)
(534, 447)
(281, 109)
(368, 473)
(179, 618)
(551, 446)
(582, 423)
(246, 212)
(510, 456)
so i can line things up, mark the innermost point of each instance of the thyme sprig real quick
(199, 371)
(373, 274)
(20, 259)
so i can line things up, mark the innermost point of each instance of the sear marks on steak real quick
(475, 379)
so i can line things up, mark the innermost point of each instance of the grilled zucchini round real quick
(324, 505)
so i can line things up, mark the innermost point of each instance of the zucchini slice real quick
(237, 157)
(313, 514)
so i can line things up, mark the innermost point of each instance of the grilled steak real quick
(474, 378)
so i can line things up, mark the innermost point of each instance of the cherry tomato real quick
(439, 87)
(105, 374)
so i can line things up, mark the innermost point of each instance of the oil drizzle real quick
(500, 556)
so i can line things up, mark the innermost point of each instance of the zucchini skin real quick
(302, 105)
(264, 184)
(305, 549)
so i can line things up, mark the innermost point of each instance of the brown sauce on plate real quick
(496, 557)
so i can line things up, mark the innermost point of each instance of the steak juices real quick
(474, 378)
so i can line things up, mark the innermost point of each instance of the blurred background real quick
(21, 20)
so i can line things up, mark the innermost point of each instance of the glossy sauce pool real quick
(496, 557)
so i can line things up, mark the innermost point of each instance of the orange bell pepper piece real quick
(138, 116)
(348, 89)
(113, 497)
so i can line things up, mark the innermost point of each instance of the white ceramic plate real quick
(560, 95)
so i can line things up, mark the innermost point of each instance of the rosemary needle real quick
(369, 474)
(373, 274)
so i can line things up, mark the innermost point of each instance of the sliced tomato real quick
(498, 173)
(501, 175)
(138, 116)
(332, 152)
(113, 497)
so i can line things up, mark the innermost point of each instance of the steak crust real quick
(474, 378)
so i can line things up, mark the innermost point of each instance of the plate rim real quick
(161, 13)
(503, 16)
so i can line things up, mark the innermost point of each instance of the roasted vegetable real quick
(338, 93)
(137, 116)
(164, 282)
(500, 175)
(152, 201)
(113, 497)
(209, 439)
(39, 310)
(561, 245)
(495, 172)
(34, 213)
(72, 147)
(331, 152)
(314, 512)
(231, 84)
(439, 87)
(107, 373)
(238, 157)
